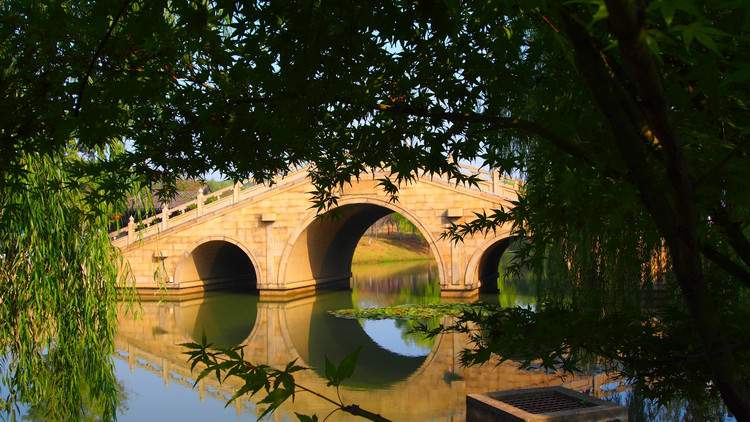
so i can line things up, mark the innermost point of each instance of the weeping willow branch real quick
(58, 296)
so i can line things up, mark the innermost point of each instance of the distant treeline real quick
(394, 223)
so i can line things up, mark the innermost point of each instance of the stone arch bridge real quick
(270, 236)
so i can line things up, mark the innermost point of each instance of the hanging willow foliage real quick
(58, 297)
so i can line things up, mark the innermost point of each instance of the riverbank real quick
(390, 249)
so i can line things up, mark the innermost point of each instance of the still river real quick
(400, 375)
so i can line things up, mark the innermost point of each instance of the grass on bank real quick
(390, 249)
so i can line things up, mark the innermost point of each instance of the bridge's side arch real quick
(321, 248)
(482, 269)
(217, 260)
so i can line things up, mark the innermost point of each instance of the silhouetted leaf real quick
(347, 365)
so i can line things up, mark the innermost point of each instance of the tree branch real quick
(611, 99)
(358, 411)
(734, 152)
(733, 231)
(626, 22)
(726, 264)
(499, 122)
(95, 57)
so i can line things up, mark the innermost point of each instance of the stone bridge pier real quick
(270, 238)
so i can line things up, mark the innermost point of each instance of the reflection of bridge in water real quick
(431, 387)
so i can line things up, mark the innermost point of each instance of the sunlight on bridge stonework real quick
(270, 238)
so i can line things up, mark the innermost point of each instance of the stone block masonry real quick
(289, 248)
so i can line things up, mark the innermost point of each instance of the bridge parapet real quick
(190, 210)
(489, 182)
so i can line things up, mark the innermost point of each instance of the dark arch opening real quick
(217, 262)
(489, 266)
(516, 289)
(324, 250)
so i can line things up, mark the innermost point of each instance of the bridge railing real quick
(203, 204)
(489, 182)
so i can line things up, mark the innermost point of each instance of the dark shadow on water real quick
(226, 318)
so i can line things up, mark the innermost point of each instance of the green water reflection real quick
(390, 352)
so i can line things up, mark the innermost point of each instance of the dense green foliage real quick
(214, 185)
(628, 121)
(405, 311)
(566, 340)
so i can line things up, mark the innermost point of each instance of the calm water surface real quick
(400, 375)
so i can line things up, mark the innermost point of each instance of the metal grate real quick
(544, 402)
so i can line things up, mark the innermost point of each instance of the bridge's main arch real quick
(320, 251)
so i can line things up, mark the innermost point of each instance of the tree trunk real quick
(687, 268)
(665, 189)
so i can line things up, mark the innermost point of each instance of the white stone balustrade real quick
(199, 202)
(131, 229)
(164, 216)
(236, 193)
